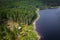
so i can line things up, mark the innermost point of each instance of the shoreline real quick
(34, 24)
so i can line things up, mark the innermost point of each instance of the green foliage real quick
(6, 34)
(51, 2)
(28, 33)
(22, 11)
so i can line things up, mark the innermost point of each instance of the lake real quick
(48, 25)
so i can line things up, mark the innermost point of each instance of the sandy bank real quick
(34, 23)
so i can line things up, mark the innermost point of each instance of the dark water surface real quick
(49, 24)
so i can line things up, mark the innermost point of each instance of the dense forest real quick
(51, 2)
(15, 18)
(18, 10)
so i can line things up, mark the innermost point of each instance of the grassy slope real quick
(29, 33)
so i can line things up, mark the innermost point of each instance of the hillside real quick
(16, 17)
